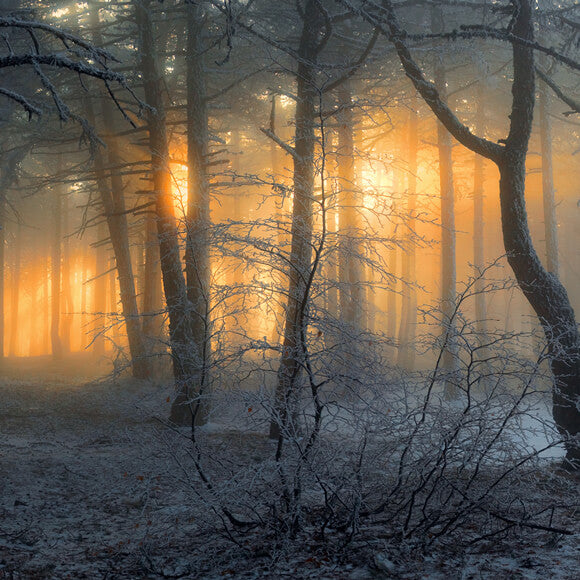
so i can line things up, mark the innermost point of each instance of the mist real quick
(289, 288)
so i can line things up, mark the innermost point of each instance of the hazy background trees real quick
(286, 185)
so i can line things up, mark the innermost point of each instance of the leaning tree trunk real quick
(283, 424)
(111, 190)
(545, 293)
(547, 296)
(113, 201)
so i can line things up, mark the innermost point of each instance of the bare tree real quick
(188, 405)
(312, 41)
(543, 290)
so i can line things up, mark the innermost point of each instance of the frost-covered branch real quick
(79, 57)
(572, 103)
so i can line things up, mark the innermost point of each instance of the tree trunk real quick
(350, 271)
(408, 325)
(179, 309)
(547, 297)
(302, 222)
(100, 292)
(550, 220)
(448, 267)
(545, 293)
(393, 265)
(152, 290)
(67, 306)
(57, 350)
(277, 177)
(113, 200)
(15, 292)
(331, 263)
(45, 309)
(113, 304)
(478, 221)
(2, 269)
(111, 191)
(543, 290)
(197, 259)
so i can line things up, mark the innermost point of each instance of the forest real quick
(288, 289)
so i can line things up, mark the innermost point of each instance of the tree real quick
(543, 290)
(189, 404)
(311, 43)
(74, 54)
(7, 177)
(111, 192)
(197, 259)
(448, 235)
(408, 324)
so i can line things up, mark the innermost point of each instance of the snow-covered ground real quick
(90, 489)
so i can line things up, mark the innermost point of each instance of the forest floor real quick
(89, 489)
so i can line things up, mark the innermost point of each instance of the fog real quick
(321, 256)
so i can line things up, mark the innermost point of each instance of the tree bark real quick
(548, 194)
(179, 308)
(478, 220)
(197, 258)
(56, 261)
(350, 271)
(302, 223)
(408, 325)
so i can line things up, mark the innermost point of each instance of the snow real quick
(90, 488)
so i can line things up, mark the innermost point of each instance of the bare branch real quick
(288, 148)
(573, 104)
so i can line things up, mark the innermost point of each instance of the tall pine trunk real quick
(56, 274)
(100, 291)
(478, 220)
(448, 237)
(283, 425)
(350, 268)
(548, 196)
(15, 292)
(187, 405)
(408, 324)
(197, 259)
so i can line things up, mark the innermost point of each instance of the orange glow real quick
(29, 333)
(179, 187)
